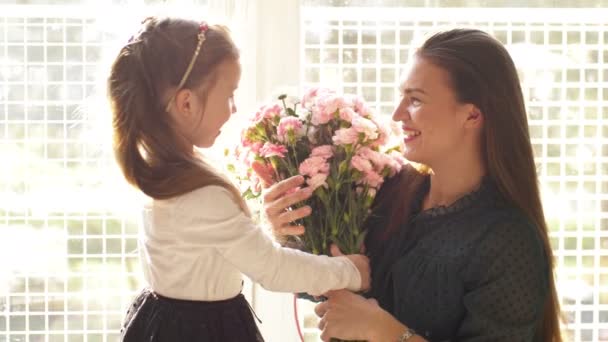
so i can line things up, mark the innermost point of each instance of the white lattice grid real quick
(68, 262)
(563, 62)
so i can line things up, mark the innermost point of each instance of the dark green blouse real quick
(473, 271)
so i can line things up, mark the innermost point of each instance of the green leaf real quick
(249, 194)
(291, 112)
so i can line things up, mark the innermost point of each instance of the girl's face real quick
(200, 113)
(220, 104)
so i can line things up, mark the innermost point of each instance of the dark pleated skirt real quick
(154, 318)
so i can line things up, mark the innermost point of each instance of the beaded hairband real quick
(202, 30)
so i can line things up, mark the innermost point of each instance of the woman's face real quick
(434, 121)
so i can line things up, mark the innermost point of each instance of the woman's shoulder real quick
(509, 230)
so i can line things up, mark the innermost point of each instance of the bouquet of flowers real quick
(341, 148)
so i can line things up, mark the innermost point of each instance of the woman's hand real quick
(348, 316)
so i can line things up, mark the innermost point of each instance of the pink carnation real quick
(257, 117)
(383, 133)
(271, 111)
(345, 136)
(320, 116)
(379, 159)
(313, 166)
(308, 96)
(347, 114)
(323, 151)
(330, 103)
(256, 147)
(373, 179)
(289, 124)
(365, 126)
(361, 164)
(398, 157)
(272, 150)
(359, 104)
(317, 180)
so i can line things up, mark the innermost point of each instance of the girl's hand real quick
(279, 198)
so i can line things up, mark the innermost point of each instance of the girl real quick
(171, 88)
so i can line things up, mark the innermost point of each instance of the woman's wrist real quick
(385, 327)
(388, 329)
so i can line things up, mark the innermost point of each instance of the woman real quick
(459, 246)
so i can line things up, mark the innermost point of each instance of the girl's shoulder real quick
(208, 201)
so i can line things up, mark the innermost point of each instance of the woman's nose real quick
(400, 113)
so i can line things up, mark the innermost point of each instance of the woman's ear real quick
(474, 117)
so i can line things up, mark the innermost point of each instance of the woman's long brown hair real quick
(146, 71)
(482, 73)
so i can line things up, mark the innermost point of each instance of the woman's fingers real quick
(322, 323)
(321, 308)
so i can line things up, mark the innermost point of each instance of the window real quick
(68, 262)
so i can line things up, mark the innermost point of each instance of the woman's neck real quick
(450, 183)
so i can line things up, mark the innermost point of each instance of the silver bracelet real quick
(409, 333)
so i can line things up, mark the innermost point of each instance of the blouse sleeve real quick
(217, 221)
(506, 284)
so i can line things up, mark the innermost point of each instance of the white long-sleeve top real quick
(197, 246)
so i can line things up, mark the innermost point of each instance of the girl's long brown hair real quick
(142, 78)
(482, 73)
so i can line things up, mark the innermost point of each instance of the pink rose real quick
(272, 150)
